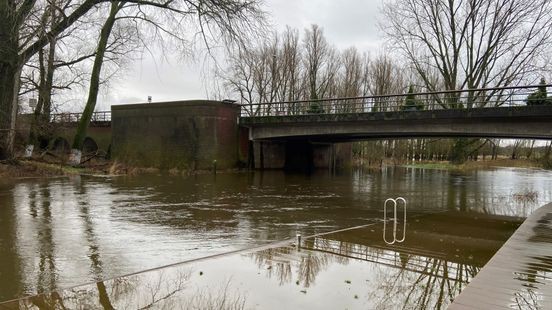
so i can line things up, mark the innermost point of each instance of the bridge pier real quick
(269, 154)
(301, 155)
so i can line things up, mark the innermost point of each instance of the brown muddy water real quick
(59, 233)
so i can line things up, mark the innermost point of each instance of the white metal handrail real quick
(395, 220)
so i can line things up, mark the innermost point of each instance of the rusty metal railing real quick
(97, 117)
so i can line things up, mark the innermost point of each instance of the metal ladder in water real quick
(394, 219)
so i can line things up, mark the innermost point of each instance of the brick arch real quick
(61, 145)
(89, 146)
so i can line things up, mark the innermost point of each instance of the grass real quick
(432, 165)
(15, 169)
(42, 168)
(25, 169)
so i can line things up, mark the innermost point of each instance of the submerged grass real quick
(526, 196)
(474, 165)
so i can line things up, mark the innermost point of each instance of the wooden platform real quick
(519, 275)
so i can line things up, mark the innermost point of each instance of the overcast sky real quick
(345, 22)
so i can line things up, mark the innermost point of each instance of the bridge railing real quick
(97, 117)
(461, 99)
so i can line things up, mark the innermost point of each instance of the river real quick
(60, 232)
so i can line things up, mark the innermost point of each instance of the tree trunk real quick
(94, 84)
(10, 70)
(515, 148)
(33, 133)
(49, 81)
(9, 78)
(43, 109)
(546, 162)
(531, 148)
(459, 153)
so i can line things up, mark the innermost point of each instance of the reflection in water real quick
(536, 275)
(134, 292)
(519, 274)
(405, 277)
(158, 290)
(10, 261)
(47, 264)
(412, 282)
(351, 269)
(63, 232)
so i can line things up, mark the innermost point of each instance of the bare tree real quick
(291, 67)
(23, 38)
(226, 21)
(384, 77)
(67, 66)
(316, 50)
(84, 121)
(45, 68)
(471, 43)
(352, 73)
(240, 78)
(267, 72)
(329, 77)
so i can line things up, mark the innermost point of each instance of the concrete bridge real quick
(311, 128)
(308, 133)
(530, 122)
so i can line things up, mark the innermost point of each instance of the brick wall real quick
(182, 134)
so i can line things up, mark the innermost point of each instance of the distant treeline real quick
(398, 152)
(428, 46)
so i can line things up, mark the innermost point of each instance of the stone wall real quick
(183, 134)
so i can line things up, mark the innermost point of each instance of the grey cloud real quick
(346, 23)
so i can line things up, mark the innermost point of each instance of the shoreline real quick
(32, 168)
(477, 165)
(467, 166)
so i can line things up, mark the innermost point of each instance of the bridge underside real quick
(532, 122)
(310, 140)
(300, 155)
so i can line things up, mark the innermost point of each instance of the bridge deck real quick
(502, 122)
(519, 275)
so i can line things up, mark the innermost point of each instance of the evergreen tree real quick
(411, 103)
(540, 96)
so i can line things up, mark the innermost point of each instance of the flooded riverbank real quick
(352, 269)
(58, 233)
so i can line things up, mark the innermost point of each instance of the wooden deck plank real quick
(519, 275)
